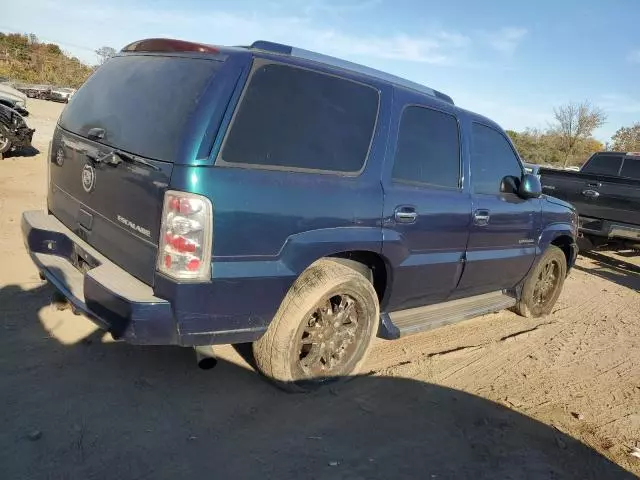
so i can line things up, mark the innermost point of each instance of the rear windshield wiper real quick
(116, 157)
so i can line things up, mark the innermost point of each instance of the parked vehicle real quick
(14, 132)
(61, 94)
(13, 98)
(532, 169)
(606, 193)
(288, 199)
(43, 92)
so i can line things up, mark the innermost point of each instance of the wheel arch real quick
(359, 244)
(567, 245)
(375, 262)
(560, 235)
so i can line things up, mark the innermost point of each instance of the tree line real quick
(24, 58)
(569, 141)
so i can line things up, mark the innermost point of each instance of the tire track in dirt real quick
(583, 358)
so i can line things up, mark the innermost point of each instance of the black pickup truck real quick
(606, 193)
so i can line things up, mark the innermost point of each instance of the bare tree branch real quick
(576, 121)
(104, 54)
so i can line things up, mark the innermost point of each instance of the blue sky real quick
(510, 60)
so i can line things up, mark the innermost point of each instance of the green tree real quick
(53, 49)
(576, 122)
(545, 147)
(627, 139)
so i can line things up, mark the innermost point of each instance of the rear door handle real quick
(481, 217)
(594, 184)
(405, 214)
(591, 193)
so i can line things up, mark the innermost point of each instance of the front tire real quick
(323, 328)
(543, 284)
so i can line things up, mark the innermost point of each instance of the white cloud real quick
(98, 23)
(618, 103)
(507, 39)
(509, 115)
(634, 56)
(437, 49)
(340, 7)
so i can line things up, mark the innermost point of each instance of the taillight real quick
(184, 250)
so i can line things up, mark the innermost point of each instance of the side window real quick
(428, 149)
(603, 165)
(301, 119)
(631, 168)
(492, 159)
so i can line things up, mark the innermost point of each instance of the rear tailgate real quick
(112, 154)
(115, 208)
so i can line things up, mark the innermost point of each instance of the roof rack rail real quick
(282, 49)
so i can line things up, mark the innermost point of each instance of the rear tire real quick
(322, 330)
(543, 284)
(5, 143)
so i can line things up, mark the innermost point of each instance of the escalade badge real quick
(88, 178)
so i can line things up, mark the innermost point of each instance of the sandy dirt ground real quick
(495, 397)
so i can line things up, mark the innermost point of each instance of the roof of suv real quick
(169, 45)
(172, 45)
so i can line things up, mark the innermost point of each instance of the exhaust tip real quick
(207, 363)
(205, 357)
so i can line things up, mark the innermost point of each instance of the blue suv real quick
(203, 195)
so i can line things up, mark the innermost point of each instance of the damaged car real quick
(13, 98)
(14, 132)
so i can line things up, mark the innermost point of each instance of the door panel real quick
(500, 252)
(504, 231)
(426, 214)
(429, 252)
(609, 198)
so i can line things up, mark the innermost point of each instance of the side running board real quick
(415, 320)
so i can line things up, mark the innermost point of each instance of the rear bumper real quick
(109, 296)
(609, 229)
(232, 308)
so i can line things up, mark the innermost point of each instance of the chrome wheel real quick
(4, 141)
(547, 283)
(330, 337)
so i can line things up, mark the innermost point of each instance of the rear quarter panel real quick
(270, 225)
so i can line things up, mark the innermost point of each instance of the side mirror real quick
(530, 186)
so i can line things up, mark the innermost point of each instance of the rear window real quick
(603, 165)
(428, 148)
(142, 102)
(293, 118)
(631, 168)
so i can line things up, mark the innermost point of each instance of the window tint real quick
(492, 159)
(603, 165)
(631, 168)
(428, 148)
(142, 102)
(291, 117)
